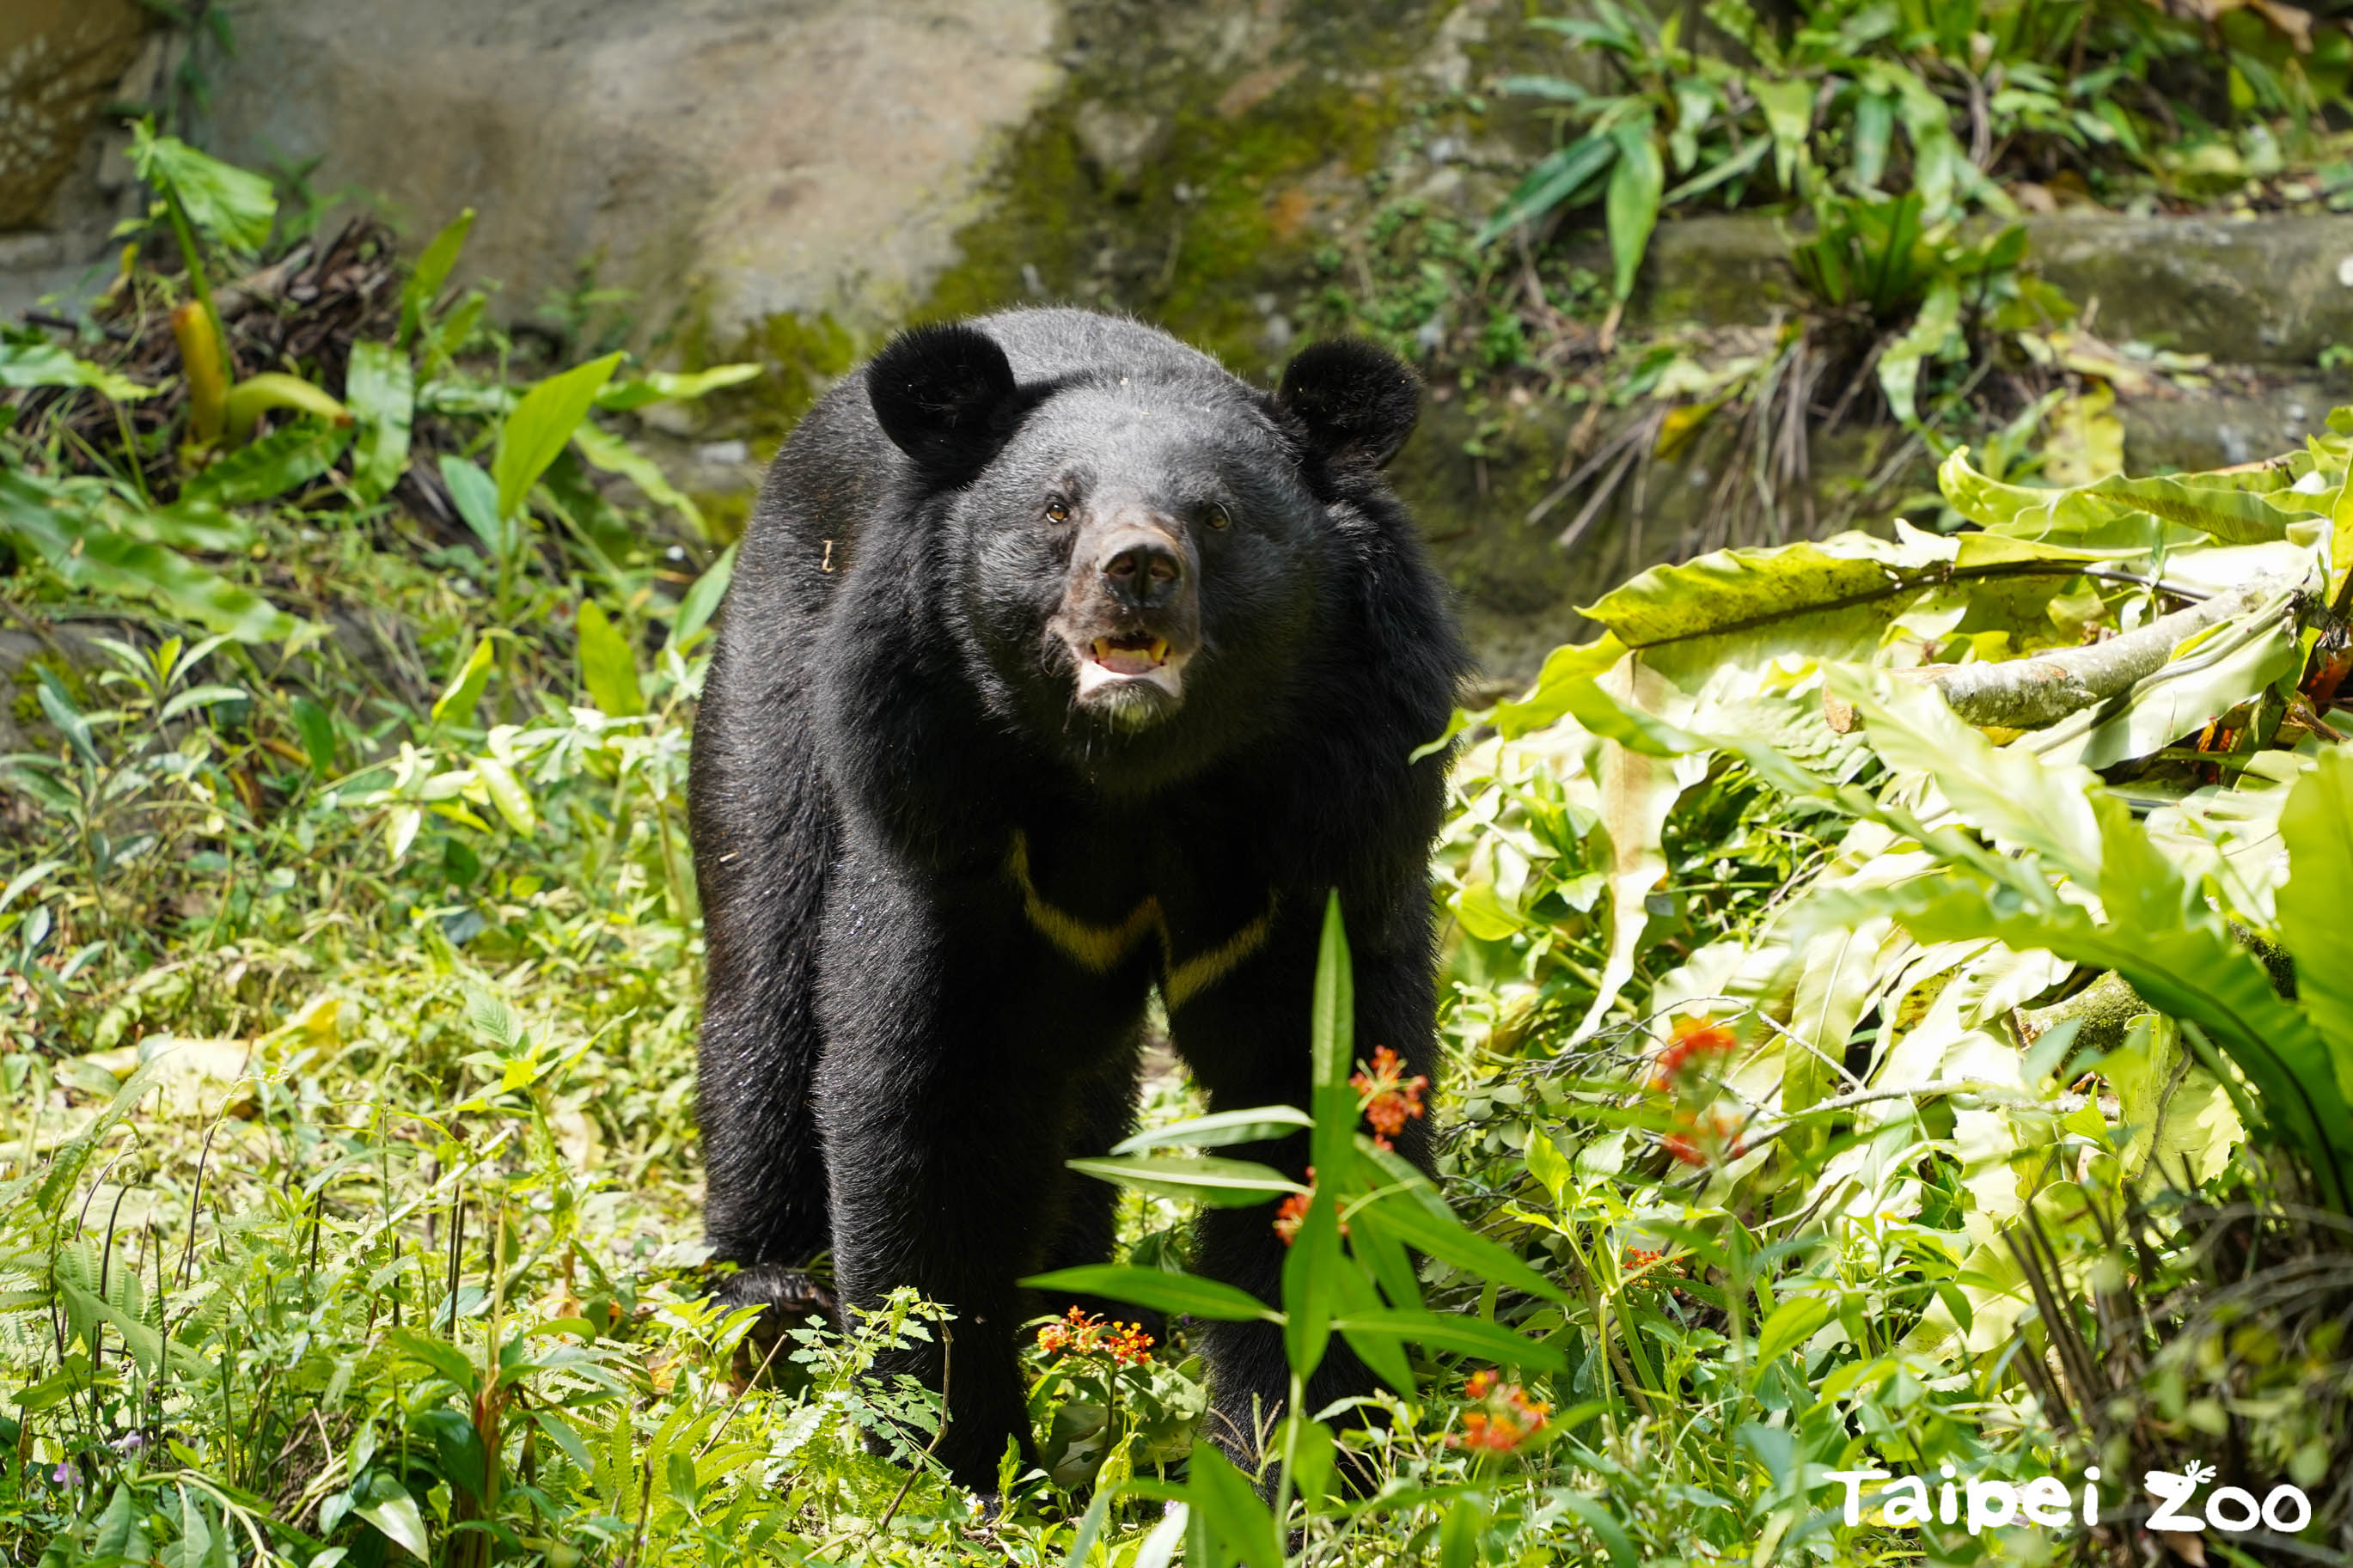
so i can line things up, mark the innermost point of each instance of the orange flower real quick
(1083, 1334)
(1387, 1097)
(1706, 1136)
(1292, 1213)
(1504, 1416)
(1686, 1056)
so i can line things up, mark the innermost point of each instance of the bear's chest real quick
(1106, 906)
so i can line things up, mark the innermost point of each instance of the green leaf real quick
(390, 1509)
(232, 207)
(1402, 1215)
(27, 358)
(1355, 1296)
(58, 705)
(76, 542)
(1459, 1532)
(1308, 1270)
(1633, 205)
(702, 601)
(2317, 825)
(455, 704)
(381, 387)
(1595, 1515)
(200, 696)
(317, 728)
(1559, 177)
(438, 1357)
(1219, 1183)
(432, 269)
(608, 666)
(1467, 1336)
(271, 465)
(1788, 106)
(1225, 1506)
(609, 452)
(1220, 1129)
(661, 385)
(1732, 590)
(541, 423)
(1159, 1289)
(476, 496)
(1931, 334)
(1789, 1325)
(250, 399)
(506, 793)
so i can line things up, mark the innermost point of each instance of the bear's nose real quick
(1141, 569)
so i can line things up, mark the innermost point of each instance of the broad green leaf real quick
(1788, 106)
(614, 456)
(702, 601)
(1466, 1336)
(317, 728)
(232, 207)
(507, 794)
(437, 1355)
(1160, 1290)
(455, 704)
(608, 666)
(1220, 1129)
(189, 525)
(28, 358)
(1789, 1325)
(390, 1509)
(476, 496)
(1450, 1240)
(85, 553)
(1226, 1506)
(1333, 1022)
(1734, 589)
(2233, 515)
(1545, 701)
(381, 387)
(541, 423)
(2011, 794)
(1459, 1530)
(432, 270)
(1633, 205)
(1354, 1296)
(2317, 825)
(271, 465)
(1219, 1183)
(661, 385)
(1584, 699)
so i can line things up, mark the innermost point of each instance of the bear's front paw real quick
(792, 1296)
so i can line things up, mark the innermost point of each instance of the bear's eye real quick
(1057, 512)
(1218, 519)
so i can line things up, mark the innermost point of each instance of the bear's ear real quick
(1357, 401)
(946, 397)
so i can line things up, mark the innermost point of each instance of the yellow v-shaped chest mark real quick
(1102, 948)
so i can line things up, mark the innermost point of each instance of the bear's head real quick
(1142, 554)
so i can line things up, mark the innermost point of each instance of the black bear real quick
(1058, 665)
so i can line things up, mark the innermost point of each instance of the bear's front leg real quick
(1246, 1040)
(942, 1097)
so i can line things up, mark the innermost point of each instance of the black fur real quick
(895, 766)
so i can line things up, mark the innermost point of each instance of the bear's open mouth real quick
(1137, 653)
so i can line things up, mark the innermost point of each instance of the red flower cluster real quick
(1387, 1097)
(1688, 1053)
(1082, 1334)
(1292, 1213)
(1506, 1417)
(1642, 1259)
(1705, 1136)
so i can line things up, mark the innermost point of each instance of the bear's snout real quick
(1142, 568)
(1131, 614)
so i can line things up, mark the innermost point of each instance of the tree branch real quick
(2044, 687)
